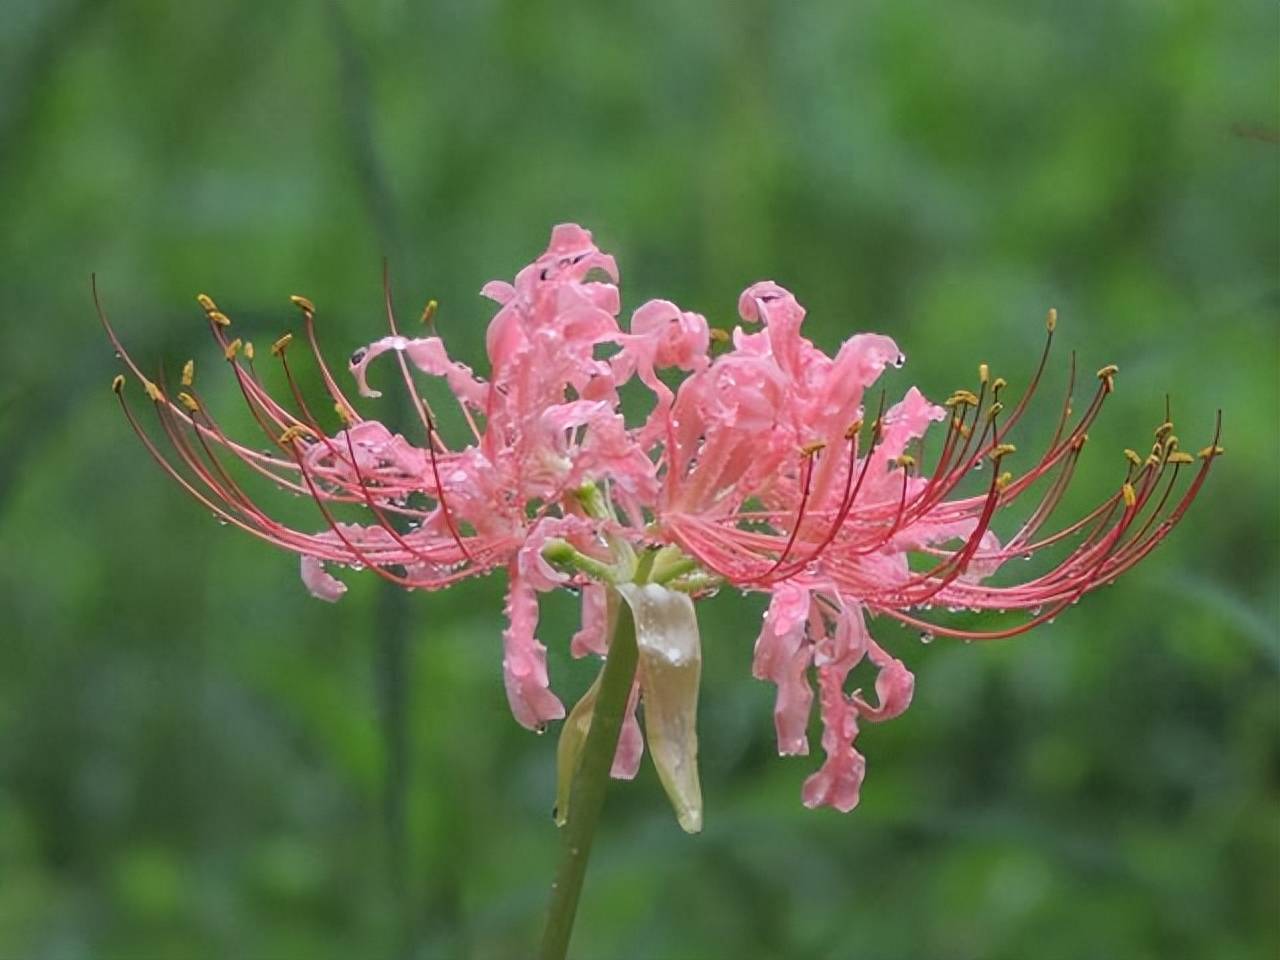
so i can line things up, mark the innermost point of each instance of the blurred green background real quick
(199, 760)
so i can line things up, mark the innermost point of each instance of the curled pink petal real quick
(592, 637)
(626, 762)
(524, 661)
(321, 584)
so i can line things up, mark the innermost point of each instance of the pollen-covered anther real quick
(1051, 321)
(248, 349)
(188, 401)
(965, 398)
(998, 384)
(188, 373)
(994, 410)
(1166, 427)
(1079, 441)
(1211, 451)
(344, 413)
(429, 312)
(905, 461)
(853, 430)
(1170, 443)
(232, 349)
(1001, 450)
(813, 447)
(984, 373)
(1004, 480)
(1130, 495)
(220, 318)
(1132, 457)
(303, 304)
(278, 347)
(1180, 456)
(206, 303)
(153, 391)
(718, 336)
(1108, 376)
(296, 432)
(117, 383)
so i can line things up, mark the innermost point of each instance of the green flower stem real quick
(586, 800)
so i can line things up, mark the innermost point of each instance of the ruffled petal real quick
(524, 662)
(322, 585)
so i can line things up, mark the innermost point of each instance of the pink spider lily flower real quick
(773, 481)
(754, 472)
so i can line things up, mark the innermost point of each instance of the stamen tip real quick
(303, 304)
(1130, 495)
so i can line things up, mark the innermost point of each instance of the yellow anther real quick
(1170, 443)
(1130, 495)
(220, 318)
(277, 348)
(1079, 441)
(1001, 450)
(854, 429)
(117, 383)
(1108, 377)
(248, 349)
(809, 449)
(984, 373)
(905, 460)
(429, 312)
(303, 304)
(188, 373)
(206, 303)
(152, 391)
(994, 410)
(1180, 456)
(232, 349)
(1153, 461)
(188, 401)
(1213, 451)
(719, 336)
(965, 398)
(1166, 427)
(998, 384)
(1051, 322)
(965, 430)
(1004, 480)
(296, 432)
(1132, 457)
(344, 414)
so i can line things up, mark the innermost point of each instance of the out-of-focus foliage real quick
(198, 760)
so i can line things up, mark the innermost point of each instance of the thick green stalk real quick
(586, 799)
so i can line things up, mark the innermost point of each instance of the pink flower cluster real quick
(761, 465)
